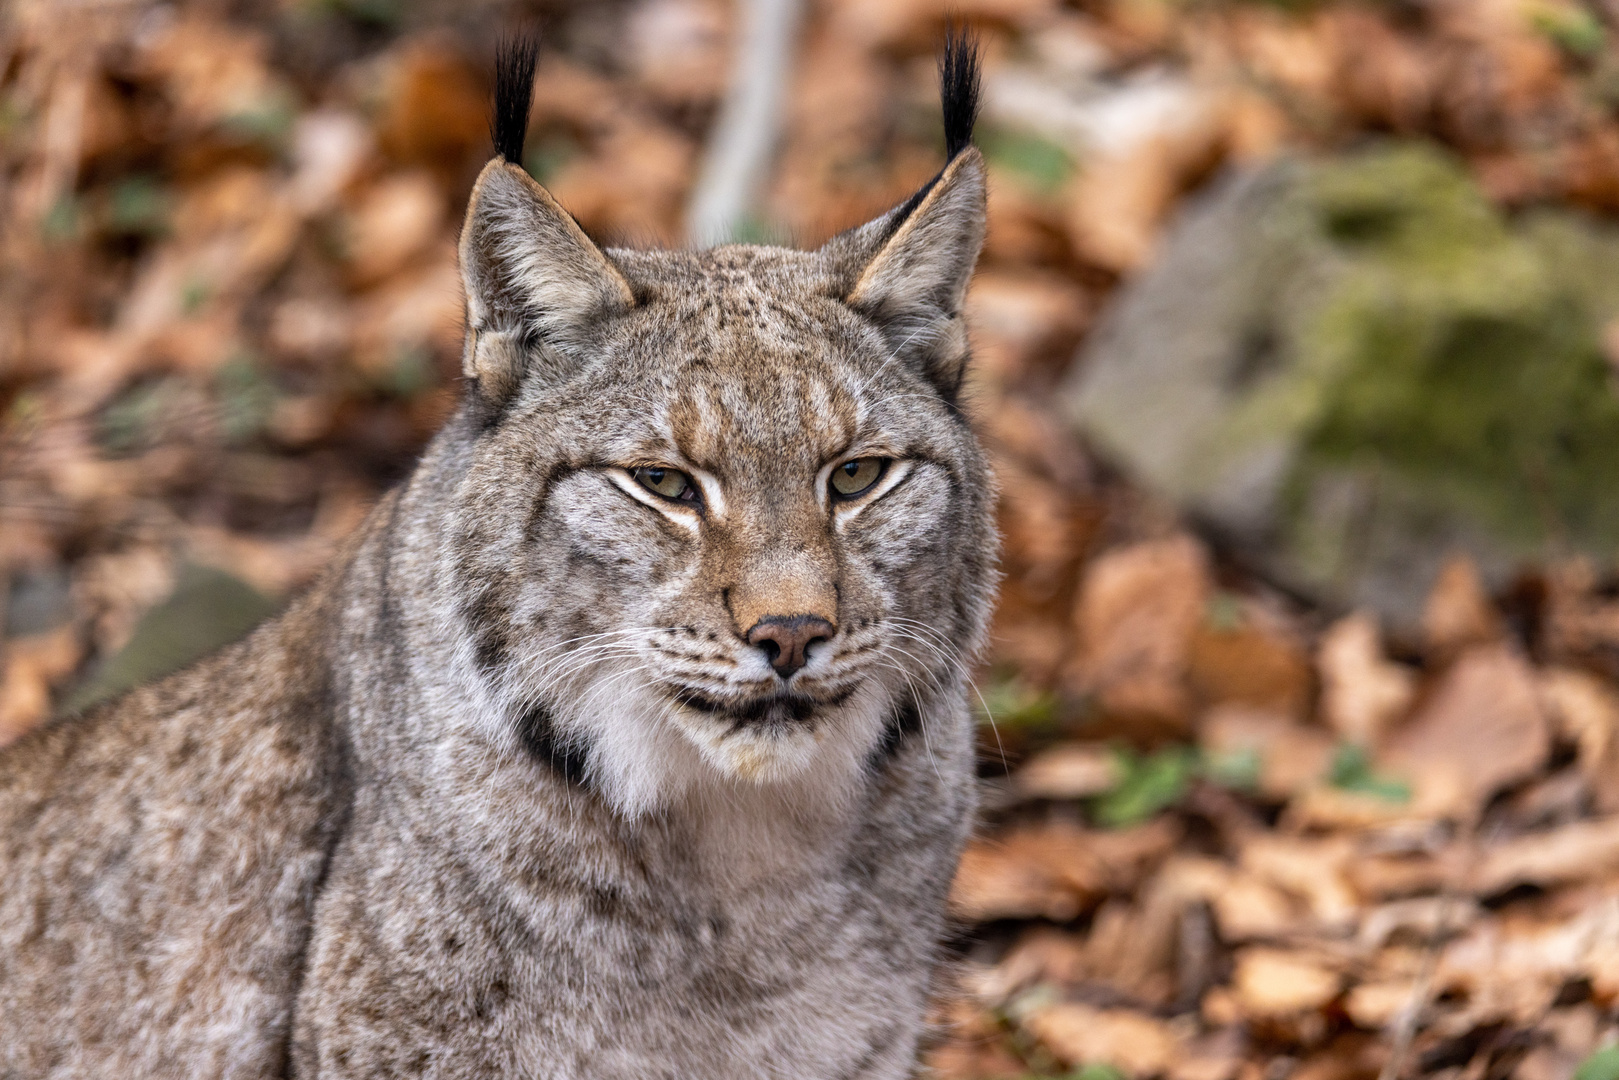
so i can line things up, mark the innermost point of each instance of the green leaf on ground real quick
(1602, 1065)
(1011, 704)
(1041, 162)
(1150, 783)
(1098, 1072)
(1352, 771)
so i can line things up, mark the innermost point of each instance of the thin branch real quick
(745, 133)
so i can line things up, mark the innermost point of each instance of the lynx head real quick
(716, 517)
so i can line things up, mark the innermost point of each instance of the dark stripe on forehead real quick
(542, 497)
(791, 411)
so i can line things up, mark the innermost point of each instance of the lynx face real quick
(721, 520)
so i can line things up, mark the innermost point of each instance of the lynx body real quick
(628, 739)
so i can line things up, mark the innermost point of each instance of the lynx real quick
(628, 738)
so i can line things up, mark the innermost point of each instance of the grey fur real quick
(426, 824)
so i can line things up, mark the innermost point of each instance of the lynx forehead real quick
(628, 739)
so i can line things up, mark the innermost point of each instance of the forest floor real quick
(1227, 834)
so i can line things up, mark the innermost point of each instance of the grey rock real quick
(207, 610)
(1348, 370)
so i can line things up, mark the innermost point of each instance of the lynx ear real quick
(908, 270)
(534, 280)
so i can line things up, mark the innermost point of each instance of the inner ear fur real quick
(534, 282)
(908, 271)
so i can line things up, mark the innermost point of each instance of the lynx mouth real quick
(769, 710)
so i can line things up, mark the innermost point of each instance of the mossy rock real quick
(1351, 368)
(208, 610)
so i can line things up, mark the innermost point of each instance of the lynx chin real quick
(627, 739)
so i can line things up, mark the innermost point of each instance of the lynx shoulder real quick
(627, 739)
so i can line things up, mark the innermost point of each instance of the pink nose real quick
(786, 639)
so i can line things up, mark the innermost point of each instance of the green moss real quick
(208, 609)
(1351, 366)
(1456, 354)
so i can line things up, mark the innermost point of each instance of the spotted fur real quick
(510, 793)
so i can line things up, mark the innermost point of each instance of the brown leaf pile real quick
(1368, 858)
(1227, 836)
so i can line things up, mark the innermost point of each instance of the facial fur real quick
(607, 624)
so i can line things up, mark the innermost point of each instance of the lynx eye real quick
(853, 477)
(670, 483)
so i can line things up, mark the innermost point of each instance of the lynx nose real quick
(786, 639)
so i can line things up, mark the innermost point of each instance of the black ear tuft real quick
(958, 88)
(514, 94)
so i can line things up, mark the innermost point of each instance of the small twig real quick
(1409, 1017)
(744, 137)
(1405, 1021)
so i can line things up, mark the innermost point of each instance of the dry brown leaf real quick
(916, 23)
(1350, 1056)
(1274, 982)
(435, 110)
(1338, 809)
(1120, 201)
(311, 328)
(571, 94)
(420, 310)
(1045, 529)
(1247, 909)
(1068, 771)
(1023, 228)
(32, 667)
(974, 1045)
(1374, 1005)
(1054, 872)
(1382, 876)
(1132, 1042)
(1042, 955)
(1579, 851)
(1585, 710)
(1022, 318)
(1425, 918)
(1214, 1057)
(1576, 1030)
(1137, 611)
(632, 184)
(1381, 76)
(970, 1058)
(1482, 729)
(1221, 1009)
(1275, 50)
(1579, 622)
(1252, 664)
(1547, 1063)
(1458, 613)
(1513, 968)
(1313, 870)
(211, 71)
(1362, 692)
(1149, 939)
(680, 49)
(330, 148)
(396, 220)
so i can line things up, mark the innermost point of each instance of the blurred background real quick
(1296, 352)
